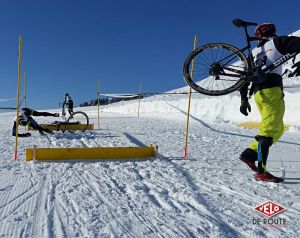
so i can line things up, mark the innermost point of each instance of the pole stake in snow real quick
(98, 104)
(189, 106)
(18, 97)
(25, 104)
(139, 101)
(25, 98)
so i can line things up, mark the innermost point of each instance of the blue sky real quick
(68, 45)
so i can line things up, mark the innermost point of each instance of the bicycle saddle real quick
(241, 23)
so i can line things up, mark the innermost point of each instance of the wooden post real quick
(25, 104)
(139, 101)
(25, 97)
(98, 104)
(18, 97)
(189, 106)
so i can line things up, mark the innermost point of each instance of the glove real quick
(63, 113)
(245, 107)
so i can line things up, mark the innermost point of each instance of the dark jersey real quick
(25, 115)
(68, 102)
(287, 44)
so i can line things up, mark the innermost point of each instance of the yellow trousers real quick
(270, 104)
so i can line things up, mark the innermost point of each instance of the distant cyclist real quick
(25, 119)
(69, 103)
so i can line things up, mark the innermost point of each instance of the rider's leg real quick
(36, 126)
(44, 114)
(271, 106)
(14, 129)
(27, 134)
(264, 144)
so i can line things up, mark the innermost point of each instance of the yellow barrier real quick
(90, 153)
(252, 124)
(72, 127)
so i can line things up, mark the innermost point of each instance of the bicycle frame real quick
(252, 66)
(223, 68)
(279, 62)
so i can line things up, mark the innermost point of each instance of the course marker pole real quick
(98, 104)
(18, 97)
(25, 98)
(189, 105)
(26, 127)
(139, 102)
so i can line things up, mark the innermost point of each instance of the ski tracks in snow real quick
(211, 194)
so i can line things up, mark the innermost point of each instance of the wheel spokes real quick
(217, 68)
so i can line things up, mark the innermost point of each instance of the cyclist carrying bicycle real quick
(268, 96)
(69, 103)
(25, 119)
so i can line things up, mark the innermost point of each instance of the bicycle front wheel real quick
(218, 69)
(78, 119)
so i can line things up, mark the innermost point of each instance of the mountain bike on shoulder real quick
(221, 68)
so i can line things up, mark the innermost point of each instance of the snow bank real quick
(213, 109)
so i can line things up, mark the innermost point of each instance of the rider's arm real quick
(245, 107)
(63, 105)
(287, 44)
(14, 129)
(244, 91)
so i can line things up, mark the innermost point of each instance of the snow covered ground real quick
(211, 194)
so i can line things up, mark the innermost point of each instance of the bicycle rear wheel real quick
(218, 69)
(78, 118)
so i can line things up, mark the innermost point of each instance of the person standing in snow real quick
(268, 96)
(25, 119)
(69, 103)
